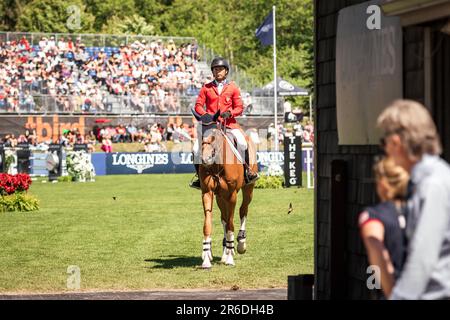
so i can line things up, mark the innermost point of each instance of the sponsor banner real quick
(177, 162)
(159, 162)
(99, 163)
(155, 162)
(49, 128)
(292, 161)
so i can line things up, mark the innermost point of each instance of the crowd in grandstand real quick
(144, 77)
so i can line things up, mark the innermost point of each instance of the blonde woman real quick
(383, 226)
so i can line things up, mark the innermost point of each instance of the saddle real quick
(231, 139)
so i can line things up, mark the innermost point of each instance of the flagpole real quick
(275, 82)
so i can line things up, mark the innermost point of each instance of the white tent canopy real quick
(284, 88)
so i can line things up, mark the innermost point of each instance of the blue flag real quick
(265, 31)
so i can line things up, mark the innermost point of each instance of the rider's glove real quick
(226, 114)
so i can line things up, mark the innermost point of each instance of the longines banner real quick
(163, 162)
(182, 162)
(132, 163)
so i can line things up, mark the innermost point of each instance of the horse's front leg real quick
(207, 199)
(230, 229)
(247, 192)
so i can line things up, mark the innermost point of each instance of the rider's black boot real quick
(196, 183)
(250, 176)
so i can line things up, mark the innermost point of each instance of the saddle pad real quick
(232, 138)
(232, 145)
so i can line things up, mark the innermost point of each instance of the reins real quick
(213, 174)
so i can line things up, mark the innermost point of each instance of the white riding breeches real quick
(240, 138)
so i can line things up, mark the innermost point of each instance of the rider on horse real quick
(225, 96)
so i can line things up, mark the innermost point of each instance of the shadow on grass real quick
(170, 262)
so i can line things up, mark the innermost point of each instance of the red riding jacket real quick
(228, 100)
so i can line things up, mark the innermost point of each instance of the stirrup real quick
(195, 183)
(253, 179)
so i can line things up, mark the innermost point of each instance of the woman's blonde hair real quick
(397, 178)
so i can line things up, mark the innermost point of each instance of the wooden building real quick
(344, 177)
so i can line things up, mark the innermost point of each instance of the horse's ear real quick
(196, 115)
(216, 116)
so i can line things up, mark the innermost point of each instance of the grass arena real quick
(143, 232)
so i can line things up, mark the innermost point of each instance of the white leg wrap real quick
(224, 253)
(230, 248)
(206, 254)
(243, 221)
(242, 247)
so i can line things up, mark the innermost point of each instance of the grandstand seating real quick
(77, 72)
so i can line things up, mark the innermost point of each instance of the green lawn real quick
(148, 238)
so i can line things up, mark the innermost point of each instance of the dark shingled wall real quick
(358, 159)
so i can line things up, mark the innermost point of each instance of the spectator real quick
(410, 137)
(383, 226)
(271, 131)
(121, 135)
(64, 138)
(91, 141)
(31, 136)
(248, 103)
(169, 132)
(131, 132)
(28, 101)
(253, 134)
(79, 138)
(155, 140)
(106, 143)
(58, 68)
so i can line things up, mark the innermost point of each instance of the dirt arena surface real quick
(256, 294)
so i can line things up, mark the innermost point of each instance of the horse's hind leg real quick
(247, 192)
(223, 209)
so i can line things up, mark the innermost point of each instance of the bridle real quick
(214, 171)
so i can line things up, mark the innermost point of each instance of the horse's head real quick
(209, 138)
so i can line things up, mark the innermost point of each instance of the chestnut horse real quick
(221, 174)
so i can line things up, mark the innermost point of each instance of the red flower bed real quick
(14, 183)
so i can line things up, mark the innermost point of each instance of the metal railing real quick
(245, 82)
(90, 40)
(123, 105)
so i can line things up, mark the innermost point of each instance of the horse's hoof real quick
(206, 265)
(229, 261)
(224, 259)
(241, 247)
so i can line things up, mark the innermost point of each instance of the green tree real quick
(153, 11)
(10, 10)
(130, 25)
(228, 27)
(55, 16)
(104, 10)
